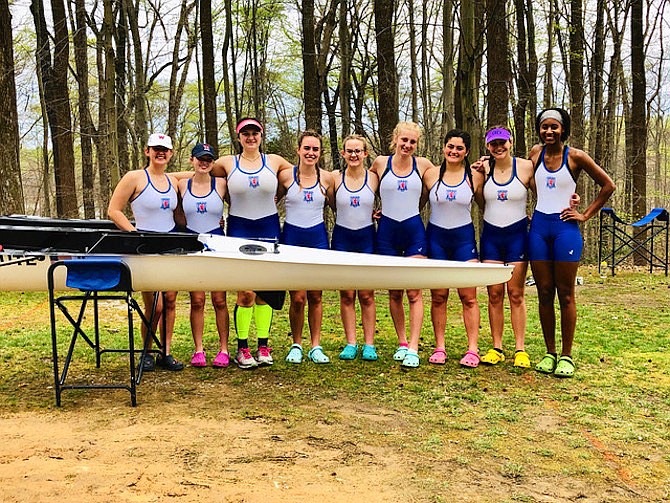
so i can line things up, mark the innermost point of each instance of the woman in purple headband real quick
(505, 238)
(555, 241)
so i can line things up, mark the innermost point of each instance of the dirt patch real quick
(208, 447)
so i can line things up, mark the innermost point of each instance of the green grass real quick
(516, 425)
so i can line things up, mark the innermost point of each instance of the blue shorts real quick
(401, 239)
(309, 237)
(358, 240)
(452, 244)
(505, 244)
(551, 238)
(217, 232)
(264, 229)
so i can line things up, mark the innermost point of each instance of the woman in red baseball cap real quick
(152, 195)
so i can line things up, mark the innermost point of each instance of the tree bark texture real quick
(311, 81)
(387, 78)
(87, 130)
(498, 73)
(638, 110)
(11, 191)
(57, 102)
(208, 79)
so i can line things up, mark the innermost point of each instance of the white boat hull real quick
(223, 266)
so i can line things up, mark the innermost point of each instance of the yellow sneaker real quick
(493, 357)
(522, 360)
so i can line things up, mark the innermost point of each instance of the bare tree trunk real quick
(498, 74)
(610, 112)
(57, 101)
(576, 74)
(11, 191)
(548, 95)
(345, 68)
(527, 74)
(597, 84)
(466, 88)
(86, 122)
(628, 131)
(413, 79)
(120, 103)
(112, 146)
(311, 79)
(208, 80)
(177, 82)
(102, 139)
(387, 79)
(323, 36)
(447, 67)
(639, 110)
(227, 46)
(139, 132)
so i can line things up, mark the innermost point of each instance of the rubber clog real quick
(222, 360)
(199, 359)
(148, 363)
(411, 360)
(317, 355)
(493, 357)
(400, 353)
(350, 352)
(295, 354)
(521, 360)
(547, 364)
(565, 367)
(470, 359)
(168, 362)
(439, 357)
(369, 353)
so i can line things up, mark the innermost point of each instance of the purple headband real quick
(498, 133)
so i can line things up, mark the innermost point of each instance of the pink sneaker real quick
(263, 357)
(199, 359)
(244, 359)
(222, 360)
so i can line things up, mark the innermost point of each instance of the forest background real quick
(83, 83)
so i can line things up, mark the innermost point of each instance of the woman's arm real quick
(279, 163)
(583, 161)
(121, 197)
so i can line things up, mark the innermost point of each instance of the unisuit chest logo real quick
(165, 203)
(451, 195)
(354, 201)
(308, 196)
(551, 182)
(254, 182)
(402, 185)
(502, 196)
(201, 207)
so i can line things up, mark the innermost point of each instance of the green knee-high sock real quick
(243, 317)
(263, 317)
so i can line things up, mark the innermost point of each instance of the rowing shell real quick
(239, 264)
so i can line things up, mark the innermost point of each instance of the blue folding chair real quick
(646, 239)
(97, 279)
